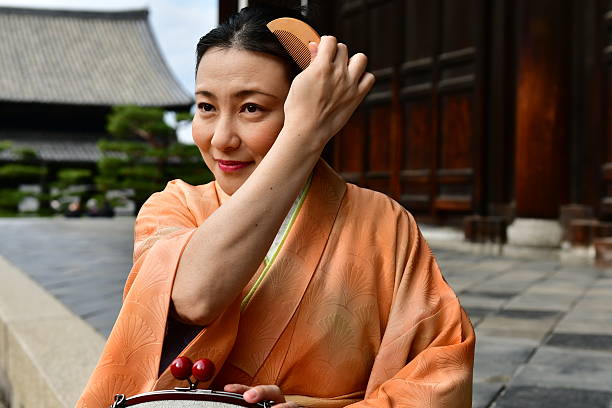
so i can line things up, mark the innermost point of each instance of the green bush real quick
(129, 148)
(22, 173)
(5, 145)
(185, 152)
(111, 165)
(25, 169)
(71, 183)
(68, 177)
(9, 201)
(141, 172)
(26, 154)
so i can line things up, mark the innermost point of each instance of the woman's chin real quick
(229, 186)
(230, 182)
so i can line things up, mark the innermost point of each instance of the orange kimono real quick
(353, 311)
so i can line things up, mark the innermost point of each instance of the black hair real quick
(246, 30)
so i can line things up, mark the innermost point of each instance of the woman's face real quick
(239, 97)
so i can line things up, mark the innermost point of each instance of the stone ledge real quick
(46, 352)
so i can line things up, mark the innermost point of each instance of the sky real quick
(177, 26)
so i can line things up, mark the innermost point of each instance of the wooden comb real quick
(294, 35)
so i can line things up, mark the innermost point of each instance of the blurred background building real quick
(62, 71)
(488, 114)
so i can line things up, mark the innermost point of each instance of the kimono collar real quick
(222, 196)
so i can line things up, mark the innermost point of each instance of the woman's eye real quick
(206, 107)
(251, 108)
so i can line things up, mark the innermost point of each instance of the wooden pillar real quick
(226, 9)
(588, 34)
(606, 139)
(542, 108)
(499, 173)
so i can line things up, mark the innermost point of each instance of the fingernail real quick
(250, 394)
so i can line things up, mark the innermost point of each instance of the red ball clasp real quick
(182, 368)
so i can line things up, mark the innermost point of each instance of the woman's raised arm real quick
(227, 249)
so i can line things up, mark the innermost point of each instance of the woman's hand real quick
(261, 393)
(323, 97)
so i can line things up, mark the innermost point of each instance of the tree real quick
(71, 183)
(24, 168)
(144, 154)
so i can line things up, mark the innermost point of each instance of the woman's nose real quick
(224, 136)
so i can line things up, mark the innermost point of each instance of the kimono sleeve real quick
(165, 217)
(427, 352)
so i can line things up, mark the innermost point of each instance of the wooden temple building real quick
(489, 114)
(62, 71)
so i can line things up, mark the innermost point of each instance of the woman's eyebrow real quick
(248, 92)
(205, 93)
(240, 94)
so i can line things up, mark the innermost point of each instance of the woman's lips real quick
(231, 165)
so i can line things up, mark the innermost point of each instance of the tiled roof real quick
(84, 58)
(53, 147)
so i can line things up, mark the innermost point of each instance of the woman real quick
(302, 289)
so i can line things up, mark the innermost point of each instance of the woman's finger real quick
(237, 388)
(342, 55)
(357, 65)
(264, 393)
(365, 83)
(313, 47)
(326, 51)
(287, 405)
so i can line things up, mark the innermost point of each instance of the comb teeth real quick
(296, 48)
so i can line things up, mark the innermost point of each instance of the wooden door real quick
(441, 96)
(363, 151)
(418, 136)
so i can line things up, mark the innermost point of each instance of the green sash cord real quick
(279, 240)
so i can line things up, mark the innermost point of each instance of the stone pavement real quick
(544, 329)
(71, 257)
